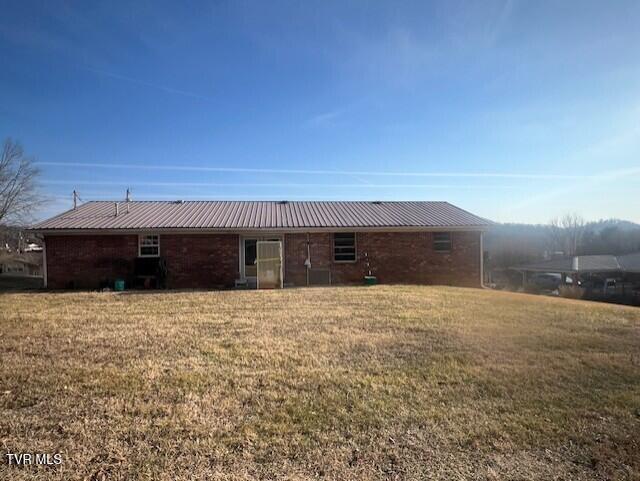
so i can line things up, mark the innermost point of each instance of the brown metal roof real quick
(251, 215)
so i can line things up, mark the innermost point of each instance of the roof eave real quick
(200, 230)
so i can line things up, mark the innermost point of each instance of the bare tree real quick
(566, 233)
(18, 184)
(556, 237)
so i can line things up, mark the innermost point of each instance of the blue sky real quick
(518, 111)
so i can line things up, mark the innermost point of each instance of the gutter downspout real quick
(44, 262)
(481, 261)
(307, 262)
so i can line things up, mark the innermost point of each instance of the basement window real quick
(344, 247)
(149, 246)
(442, 241)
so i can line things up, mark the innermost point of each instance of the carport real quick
(591, 275)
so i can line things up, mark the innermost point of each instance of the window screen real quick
(344, 247)
(442, 241)
(149, 246)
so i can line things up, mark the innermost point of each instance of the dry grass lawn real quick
(337, 383)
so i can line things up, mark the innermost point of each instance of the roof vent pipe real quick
(116, 206)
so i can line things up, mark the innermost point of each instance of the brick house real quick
(220, 244)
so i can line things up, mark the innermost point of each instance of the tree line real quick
(508, 245)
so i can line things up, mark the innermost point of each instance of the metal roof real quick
(596, 263)
(630, 262)
(586, 264)
(552, 265)
(248, 215)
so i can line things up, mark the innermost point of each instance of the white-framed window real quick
(442, 241)
(149, 245)
(344, 247)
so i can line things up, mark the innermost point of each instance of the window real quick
(442, 241)
(250, 255)
(344, 247)
(149, 245)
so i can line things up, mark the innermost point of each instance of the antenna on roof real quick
(128, 197)
(75, 199)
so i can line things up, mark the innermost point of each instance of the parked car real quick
(545, 282)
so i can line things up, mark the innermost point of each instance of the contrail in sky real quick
(282, 184)
(503, 175)
(142, 83)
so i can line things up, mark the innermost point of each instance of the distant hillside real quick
(611, 237)
(511, 244)
(623, 225)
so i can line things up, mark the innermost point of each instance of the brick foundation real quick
(211, 260)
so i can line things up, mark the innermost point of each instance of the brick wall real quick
(198, 261)
(211, 260)
(201, 261)
(82, 262)
(395, 257)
